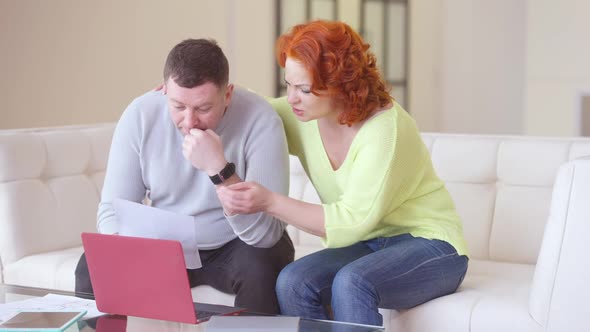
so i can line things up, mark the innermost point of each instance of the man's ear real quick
(228, 94)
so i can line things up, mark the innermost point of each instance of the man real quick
(177, 145)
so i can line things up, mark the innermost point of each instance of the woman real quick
(393, 236)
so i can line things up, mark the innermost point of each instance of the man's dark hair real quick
(194, 62)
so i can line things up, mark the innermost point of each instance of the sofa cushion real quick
(22, 156)
(478, 156)
(50, 182)
(67, 154)
(490, 290)
(51, 270)
(475, 204)
(519, 219)
(530, 162)
(579, 150)
(30, 210)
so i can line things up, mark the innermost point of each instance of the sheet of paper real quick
(49, 302)
(140, 220)
(253, 324)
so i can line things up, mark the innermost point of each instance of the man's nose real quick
(190, 119)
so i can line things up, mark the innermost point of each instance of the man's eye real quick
(305, 91)
(203, 110)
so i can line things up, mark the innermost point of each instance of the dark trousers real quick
(236, 268)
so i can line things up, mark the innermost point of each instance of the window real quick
(382, 23)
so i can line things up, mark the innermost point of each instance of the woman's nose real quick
(291, 96)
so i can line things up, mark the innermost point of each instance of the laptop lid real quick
(142, 277)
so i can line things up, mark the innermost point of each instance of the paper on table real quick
(49, 302)
(140, 220)
(253, 324)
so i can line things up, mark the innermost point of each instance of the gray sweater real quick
(146, 156)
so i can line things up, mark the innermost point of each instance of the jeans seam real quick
(374, 288)
(305, 296)
(425, 262)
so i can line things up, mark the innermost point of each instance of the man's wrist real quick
(225, 173)
(217, 168)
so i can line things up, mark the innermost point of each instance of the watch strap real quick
(224, 174)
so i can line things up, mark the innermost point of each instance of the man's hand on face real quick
(204, 150)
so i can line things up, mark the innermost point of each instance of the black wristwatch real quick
(224, 174)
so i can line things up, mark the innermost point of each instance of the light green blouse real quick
(386, 185)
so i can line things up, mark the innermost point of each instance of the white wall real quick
(81, 61)
(501, 67)
(425, 81)
(467, 65)
(558, 65)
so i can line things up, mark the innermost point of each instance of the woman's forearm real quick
(306, 216)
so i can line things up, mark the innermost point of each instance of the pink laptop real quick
(144, 277)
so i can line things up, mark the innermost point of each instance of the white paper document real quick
(140, 220)
(253, 324)
(49, 302)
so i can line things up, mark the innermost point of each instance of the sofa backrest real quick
(501, 186)
(50, 182)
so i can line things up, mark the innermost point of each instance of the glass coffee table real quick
(116, 323)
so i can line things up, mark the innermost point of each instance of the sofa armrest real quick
(560, 292)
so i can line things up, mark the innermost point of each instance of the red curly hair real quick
(339, 63)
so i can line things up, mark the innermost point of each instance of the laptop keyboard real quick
(204, 311)
(205, 315)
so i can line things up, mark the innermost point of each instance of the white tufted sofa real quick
(525, 203)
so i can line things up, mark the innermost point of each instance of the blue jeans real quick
(397, 272)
